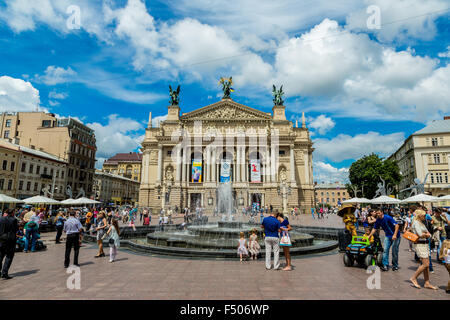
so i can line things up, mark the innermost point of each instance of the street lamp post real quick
(284, 190)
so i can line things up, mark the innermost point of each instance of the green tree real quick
(365, 173)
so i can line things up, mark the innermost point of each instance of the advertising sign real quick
(225, 171)
(197, 170)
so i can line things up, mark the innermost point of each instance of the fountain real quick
(220, 239)
(225, 201)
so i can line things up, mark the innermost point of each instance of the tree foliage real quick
(365, 173)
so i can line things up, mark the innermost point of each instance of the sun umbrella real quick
(420, 198)
(7, 199)
(84, 200)
(444, 198)
(352, 200)
(40, 200)
(68, 201)
(385, 200)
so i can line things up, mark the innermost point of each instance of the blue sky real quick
(363, 90)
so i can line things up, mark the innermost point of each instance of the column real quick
(292, 165)
(208, 165)
(160, 159)
(234, 161)
(213, 165)
(306, 157)
(238, 164)
(273, 168)
(183, 165)
(179, 165)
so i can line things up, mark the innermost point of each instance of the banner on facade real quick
(255, 170)
(225, 171)
(197, 170)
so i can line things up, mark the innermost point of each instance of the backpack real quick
(32, 225)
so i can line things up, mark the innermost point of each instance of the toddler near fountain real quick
(253, 245)
(242, 248)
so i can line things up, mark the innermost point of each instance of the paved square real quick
(41, 275)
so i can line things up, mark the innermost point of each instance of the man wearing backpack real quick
(31, 234)
(8, 230)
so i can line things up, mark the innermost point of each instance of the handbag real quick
(111, 241)
(408, 235)
(285, 239)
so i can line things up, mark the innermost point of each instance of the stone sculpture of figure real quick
(226, 87)
(69, 191)
(174, 96)
(283, 176)
(278, 96)
(355, 190)
(45, 191)
(169, 175)
(381, 191)
(81, 193)
(417, 187)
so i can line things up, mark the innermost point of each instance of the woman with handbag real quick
(285, 240)
(102, 224)
(422, 249)
(114, 240)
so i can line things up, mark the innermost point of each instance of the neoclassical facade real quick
(267, 159)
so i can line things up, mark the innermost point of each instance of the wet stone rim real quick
(328, 241)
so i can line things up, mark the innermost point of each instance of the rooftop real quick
(437, 126)
(34, 152)
(111, 175)
(336, 185)
(125, 157)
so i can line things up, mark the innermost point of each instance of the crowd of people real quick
(19, 230)
(430, 234)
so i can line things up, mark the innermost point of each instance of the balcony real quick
(46, 176)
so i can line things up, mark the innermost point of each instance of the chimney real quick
(446, 117)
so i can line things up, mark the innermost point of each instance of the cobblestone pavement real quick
(41, 275)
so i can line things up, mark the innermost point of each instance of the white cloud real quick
(322, 124)
(118, 135)
(360, 77)
(157, 120)
(56, 75)
(400, 20)
(344, 147)
(26, 15)
(445, 54)
(57, 95)
(17, 95)
(325, 172)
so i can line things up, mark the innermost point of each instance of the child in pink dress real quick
(242, 248)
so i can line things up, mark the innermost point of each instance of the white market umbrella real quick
(356, 200)
(68, 201)
(444, 198)
(385, 200)
(40, 200)
(84, 200)
(420, 198)
(7, 199)
(352, 200)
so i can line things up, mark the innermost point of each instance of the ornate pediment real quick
(226, 110)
